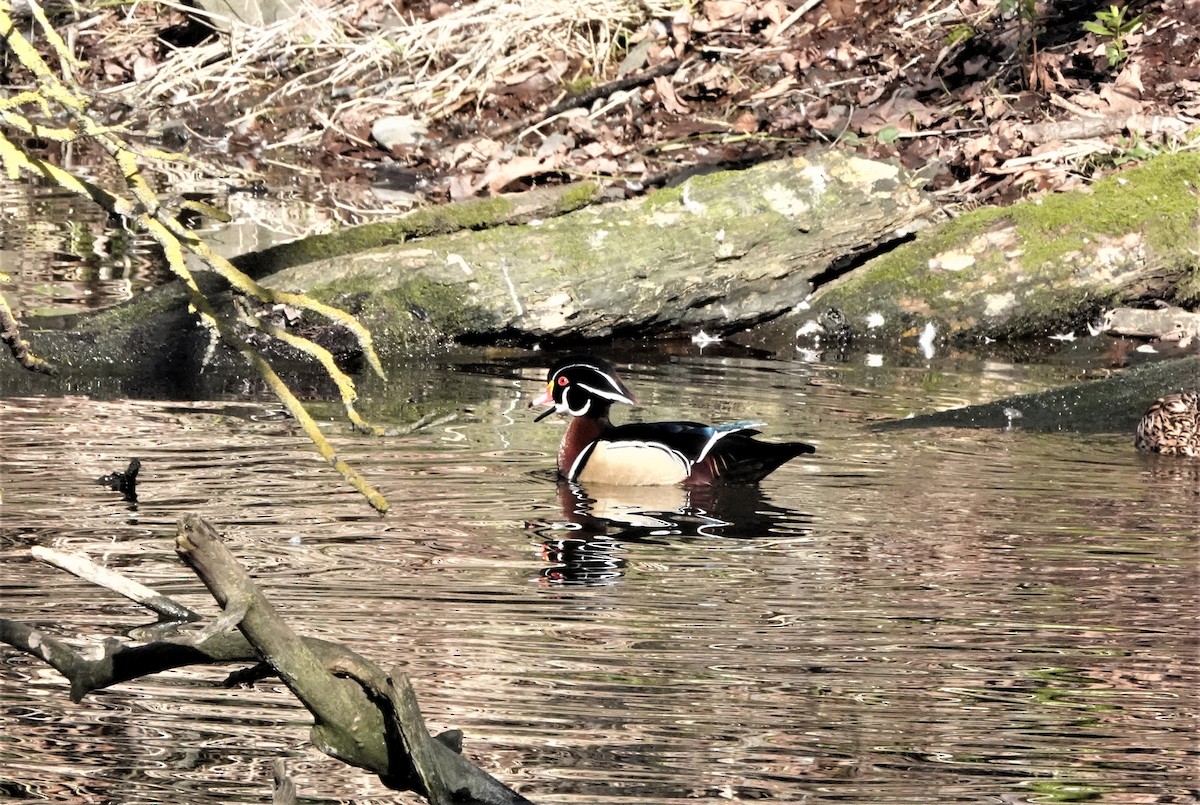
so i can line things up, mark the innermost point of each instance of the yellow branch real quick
(341, 379)
(176, 241)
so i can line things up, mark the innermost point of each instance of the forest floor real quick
(392, 104)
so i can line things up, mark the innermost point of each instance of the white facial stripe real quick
(615, 396)
(565, 405)
(612, 382)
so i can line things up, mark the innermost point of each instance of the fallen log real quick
(1110, 405)
(1047, 265)
(721, 252)
(362, 716)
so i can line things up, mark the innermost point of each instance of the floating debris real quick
(123, 482)
(810, 327)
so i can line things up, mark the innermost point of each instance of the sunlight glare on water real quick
(909, 616)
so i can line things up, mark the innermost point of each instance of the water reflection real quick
(601, 522)
(927, 616)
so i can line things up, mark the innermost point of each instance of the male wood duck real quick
(593, 450)
(1171, 426)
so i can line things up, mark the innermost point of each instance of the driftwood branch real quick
(362, 716)
(88, 570)
(121, 662)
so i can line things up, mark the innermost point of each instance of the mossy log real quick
(1111, 405)
(1042, 266)
(721, 251)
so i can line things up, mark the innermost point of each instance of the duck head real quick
(582, 386)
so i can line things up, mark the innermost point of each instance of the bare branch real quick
(86, 569)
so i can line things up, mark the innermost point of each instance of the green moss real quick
(1158, 198)
(425, 222)
(1158, 201)
(409, 311)
(1058, 791)
(959, 34)
(578, 195)
(579, 84)
(664, 197)
(448, 218)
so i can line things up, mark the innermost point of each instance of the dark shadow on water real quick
(601, 524)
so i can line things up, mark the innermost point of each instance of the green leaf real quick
(888, 134)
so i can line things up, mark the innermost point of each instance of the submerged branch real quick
(362, 716)
(88, 570)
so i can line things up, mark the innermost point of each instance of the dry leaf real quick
(1119, 102)
(666, 93)
(681, 27)
(775, 90)
(461, 187)
(746, 123)
(144, 68)
(1129, 82)
(722, 10)
(500, 175)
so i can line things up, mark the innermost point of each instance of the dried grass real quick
(427, 67)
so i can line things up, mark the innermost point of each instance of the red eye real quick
(562, 381)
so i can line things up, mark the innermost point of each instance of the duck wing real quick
(725, 452)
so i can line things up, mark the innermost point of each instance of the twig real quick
(427, 421)
(591, 96)
(792, 18)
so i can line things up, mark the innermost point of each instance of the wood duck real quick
(593, 450)
(1171, 426)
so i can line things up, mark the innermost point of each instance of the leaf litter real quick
(993, 100)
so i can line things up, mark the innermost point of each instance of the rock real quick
(249, 12)
(396, 130)
(1165, 323)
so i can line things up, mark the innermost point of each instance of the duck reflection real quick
(600, 522)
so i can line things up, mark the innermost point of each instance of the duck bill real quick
(546, 399)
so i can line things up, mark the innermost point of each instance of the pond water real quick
(906, 617)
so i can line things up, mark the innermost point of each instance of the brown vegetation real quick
(997, 97)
